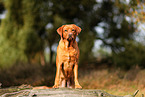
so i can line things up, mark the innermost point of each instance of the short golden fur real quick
(67, 57)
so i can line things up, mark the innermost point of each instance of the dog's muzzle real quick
(70, 36)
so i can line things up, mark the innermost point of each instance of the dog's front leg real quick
(77, 85)
(57, 77)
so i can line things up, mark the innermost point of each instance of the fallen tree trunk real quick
(62, 92)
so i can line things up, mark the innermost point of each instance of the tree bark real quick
(50, 55)
(42, 58)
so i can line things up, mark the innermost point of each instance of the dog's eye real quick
(65, 30)
(73, 30)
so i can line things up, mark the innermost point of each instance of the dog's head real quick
(69, 32)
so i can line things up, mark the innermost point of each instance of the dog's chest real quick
(70, 55)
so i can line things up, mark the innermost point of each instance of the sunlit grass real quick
(111, 82)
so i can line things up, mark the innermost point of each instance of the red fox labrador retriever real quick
(67, 57)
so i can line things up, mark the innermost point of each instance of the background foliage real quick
(29, 29)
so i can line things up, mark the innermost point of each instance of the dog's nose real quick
(70, 34)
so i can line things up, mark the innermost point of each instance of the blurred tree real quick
(117, 29)
(136, 11)
(19, 32)
(30, 26)
(131, 55)
(1, 8)
(33, 29)
(8, 31)
(51, 35)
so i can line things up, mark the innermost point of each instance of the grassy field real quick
(116, 82)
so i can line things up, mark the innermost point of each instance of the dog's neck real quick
(68, 44)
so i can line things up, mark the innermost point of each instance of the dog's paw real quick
(55, 86)
(78, 87)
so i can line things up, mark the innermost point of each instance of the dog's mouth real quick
(70, 39)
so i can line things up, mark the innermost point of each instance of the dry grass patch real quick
(115, 82)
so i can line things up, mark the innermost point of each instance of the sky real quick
(2, 16)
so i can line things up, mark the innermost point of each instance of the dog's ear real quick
(60, 30)
(78, 29)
